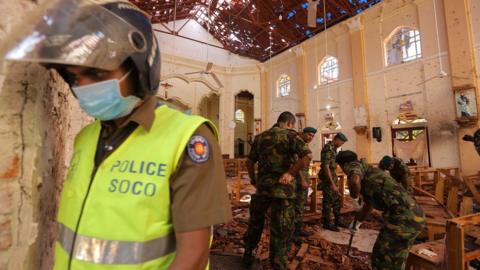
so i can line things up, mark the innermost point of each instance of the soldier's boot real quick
(329, 226)
(339, 222)
(248, 258)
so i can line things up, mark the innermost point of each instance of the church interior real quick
(398, 78)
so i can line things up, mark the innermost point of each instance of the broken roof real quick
(257, 29)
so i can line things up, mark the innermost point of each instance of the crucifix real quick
(166, 86)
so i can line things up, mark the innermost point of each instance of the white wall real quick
(388, 87)
(180, 56)
(174, 45)
(475, 11)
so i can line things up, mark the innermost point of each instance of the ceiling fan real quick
(208, 71)
(441, 74)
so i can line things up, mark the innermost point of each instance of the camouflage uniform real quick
(399, 171)
(331, 199)
(301, 199)
(275, 151)
(404, 219)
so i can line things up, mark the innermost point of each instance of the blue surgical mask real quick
(104, 101)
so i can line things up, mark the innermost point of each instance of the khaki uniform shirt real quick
(198, 190)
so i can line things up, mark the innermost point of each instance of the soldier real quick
(329, 183)
(398, 170)
(276, 151)
(303, 182)
(403, 217)
(475, 139)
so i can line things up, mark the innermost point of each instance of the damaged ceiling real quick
(244, 27)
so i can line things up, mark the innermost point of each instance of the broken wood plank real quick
(452, 200)
(440, 189)
(303, 249)
(314, 258)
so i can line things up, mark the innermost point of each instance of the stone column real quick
(360, 88)
(301, 64)
(264, 96)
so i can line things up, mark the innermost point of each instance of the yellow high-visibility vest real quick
(119, 216)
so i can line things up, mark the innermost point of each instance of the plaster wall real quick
(176, 45)
(388, 87)
(234, 80)
(475, 14)
(288, 103)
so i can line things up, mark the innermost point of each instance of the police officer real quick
(403, 217)
(329, 183)
(280, 155)
(145, 184)
(398, 170)
(303, 182)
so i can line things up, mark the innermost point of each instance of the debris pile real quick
(313, 252)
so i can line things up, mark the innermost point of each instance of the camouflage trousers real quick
(390, 251)
(331, 203)
(282, 214)
(300, 201)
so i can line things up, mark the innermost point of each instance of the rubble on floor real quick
(323, 250)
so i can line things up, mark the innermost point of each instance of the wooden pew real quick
(451, 255)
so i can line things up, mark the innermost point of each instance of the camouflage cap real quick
(385, 162)
(310, 130)
(341, 137)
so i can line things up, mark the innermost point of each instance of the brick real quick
(13, 169)
(5, 234)
(303, 250)
(6, 199)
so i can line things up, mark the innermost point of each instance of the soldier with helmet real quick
(403, 217)
(144, 186)
(398, 170)
(475, 139)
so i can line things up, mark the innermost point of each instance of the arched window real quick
(328, 71)
(283, 85)
(239, 116)
(403, 46)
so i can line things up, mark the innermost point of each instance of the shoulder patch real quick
(198, 149)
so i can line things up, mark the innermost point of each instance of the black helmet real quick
(345, 157)
(385, 163)
(147, 61)
(85, 33)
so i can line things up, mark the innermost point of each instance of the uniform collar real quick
(332, 145)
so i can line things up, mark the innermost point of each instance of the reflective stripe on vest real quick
(96, 250)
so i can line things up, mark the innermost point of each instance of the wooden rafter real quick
(243, 27)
